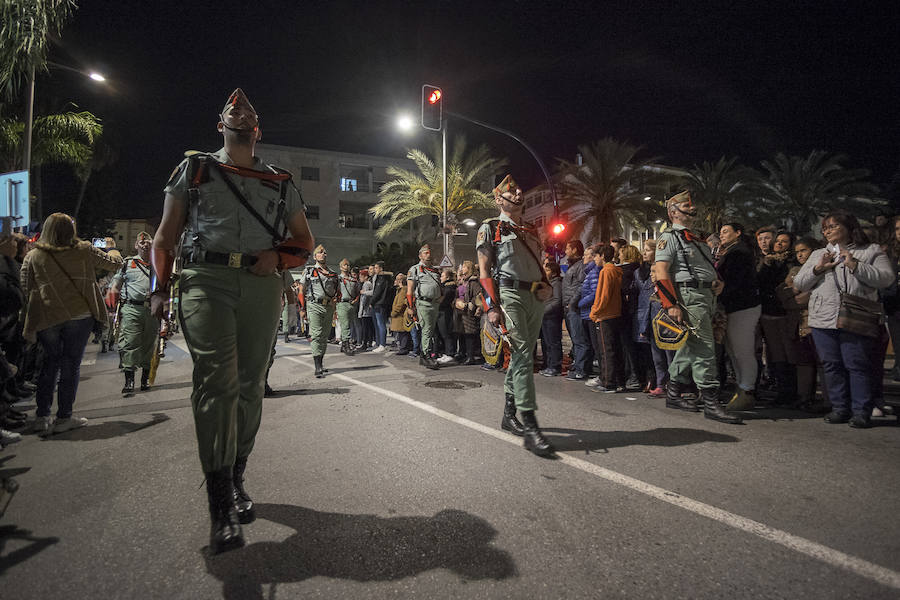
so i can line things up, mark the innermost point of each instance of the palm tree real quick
(806, 188)
(723, 191)
(27, 26)
(607, 190)
(66, 138)
(411, 195)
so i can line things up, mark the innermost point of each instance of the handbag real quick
(75, 285)
(858, 314)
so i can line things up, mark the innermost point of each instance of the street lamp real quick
(469, 223)
(405, 123)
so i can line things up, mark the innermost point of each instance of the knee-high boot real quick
(225, 529)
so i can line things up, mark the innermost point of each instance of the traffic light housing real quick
(432, 107)
(556, 240)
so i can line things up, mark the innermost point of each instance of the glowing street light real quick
(405, 123)
(97, 76)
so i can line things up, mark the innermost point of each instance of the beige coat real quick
(51, 298)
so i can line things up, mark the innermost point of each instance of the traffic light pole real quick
(444, 169)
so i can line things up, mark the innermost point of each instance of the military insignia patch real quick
(661, 244)
(174, 174)
(481, 236)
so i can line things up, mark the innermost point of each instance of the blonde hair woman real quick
(59, 280)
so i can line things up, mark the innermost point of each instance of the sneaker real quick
(41, 425)
(488, 367)
(548, 372)
(741, 400)
(379, 350)
(68, 424)
(413, 355)
(445, 360)
(656, 393)
(593, 382)
(575, 376)
(402, 352)
(8, 437)
(876, 412)
(602, 390)
(836, 417)
(856, 422)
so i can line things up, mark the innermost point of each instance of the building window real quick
(349, 185)
(312, 211)
(353, 215)
(354, 178)
(538, 222)
(309, 173)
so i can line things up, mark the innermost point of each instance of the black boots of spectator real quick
(128, 390)
(225, 528)
(674, 399)
(320, 371)
(347, 348)
(509, 422)
(715, 411)
(428, 361)
(145, 380)
(535, 441)
(242, 502)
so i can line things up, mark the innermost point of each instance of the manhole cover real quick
(453, 385)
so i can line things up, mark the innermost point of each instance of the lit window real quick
(348, 185)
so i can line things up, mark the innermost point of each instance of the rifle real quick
(160, 349)
(116, 321)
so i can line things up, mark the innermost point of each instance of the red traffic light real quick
(558, 229)
(432, 107)
(434, 97)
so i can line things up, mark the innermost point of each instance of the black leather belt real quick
(703, 285)
(235, 260)
(515, 284)
(322, 301)
(345, 301)
(138, 302)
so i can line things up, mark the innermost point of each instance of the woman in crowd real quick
(366, 324)
(740, 299)
(399, 325)
(892, 304)
(635, 371)
(645, 309)
(551, 326)
(468, 307)
(585, 302)
(777, 324)
(806, 351)
(849, 265)
(59, 281)
(446, 331)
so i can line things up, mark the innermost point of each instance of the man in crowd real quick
(571, 294)
(138, 328)
(423, 297)
(509, 249)
(382, 298)
(606, 313)
(687, 284)
(765, 237)
(347, 306)
(230, 297)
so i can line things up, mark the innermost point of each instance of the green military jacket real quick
(319, 282)
(222, 223)
(133, 279)
(349, 288)
(685, 257)
(427, 282)
(514, 249)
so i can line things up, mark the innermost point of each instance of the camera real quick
(100, 243)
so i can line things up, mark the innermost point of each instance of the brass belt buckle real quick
(534, 286)
(234, 260)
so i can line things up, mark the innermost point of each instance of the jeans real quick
(846, 358)
(612, 369)
(661, 361)
(379, 316)
(551, 341)
(63, 347)
(416, 336)
(740, 343)
(584, 354)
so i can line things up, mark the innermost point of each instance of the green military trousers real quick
(138, 334)
(346, 312)
(320, 317)
(524, 313)
(697, 357)
(229, 318)
(288, 317)
(427, 313)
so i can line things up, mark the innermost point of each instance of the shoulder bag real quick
(858, 314)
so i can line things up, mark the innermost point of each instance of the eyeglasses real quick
(830, 227)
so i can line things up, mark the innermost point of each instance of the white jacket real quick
(874, 272)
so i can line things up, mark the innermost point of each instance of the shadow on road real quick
(359, 368)
(307, 392)
(360, 548)
(580, 439)
(12, 532)
(107, 430)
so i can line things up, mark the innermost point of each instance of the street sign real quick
(14, 194)
(446, 262)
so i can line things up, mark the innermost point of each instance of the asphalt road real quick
(374, 483)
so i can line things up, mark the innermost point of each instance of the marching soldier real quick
(687, 284)
(245, 221)
(423, 297)
(508, 257)
(289, 311)
(318, 296)
(138, 329)
(346, 306)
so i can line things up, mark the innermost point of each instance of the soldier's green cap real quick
(238, 97)
(678, 198)
(507, 185)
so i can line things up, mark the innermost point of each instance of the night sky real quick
(689, 83)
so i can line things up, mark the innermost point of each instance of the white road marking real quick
(86, 362)
(859, 566)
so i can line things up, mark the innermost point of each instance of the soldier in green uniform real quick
(423, 297)
(509, 259)
(289, 310)
(245, 221)
(687, 284)
(347, 305)
(318, 295)
(138, 329)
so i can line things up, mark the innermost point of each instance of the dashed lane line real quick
(859, 566)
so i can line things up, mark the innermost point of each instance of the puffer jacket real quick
(588, 290)
(571, 285)
(873, 272)
(51, 298)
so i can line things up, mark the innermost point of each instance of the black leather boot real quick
(242, 502)
(428, 362)
(128, 390)
(268, 392)
(145, 380)
(713, 410)
(534, 440)
(509, 422)
(674, 399)
(320, 373)
(350, 350)
(103, 348)
(225, 529)
(287, 338)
